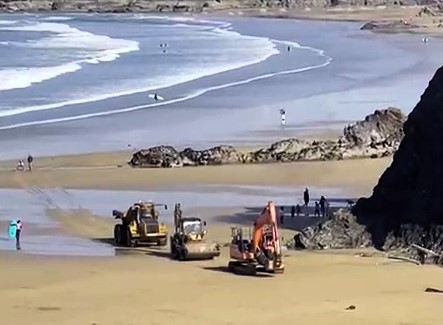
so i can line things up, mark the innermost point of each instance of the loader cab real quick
(193, 226)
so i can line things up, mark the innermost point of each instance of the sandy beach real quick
(102, 171)
(70, 272)
(316, 288)
(428, 23)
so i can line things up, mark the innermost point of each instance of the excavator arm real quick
(267, 217)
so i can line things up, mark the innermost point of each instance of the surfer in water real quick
(282, 117)
(155, 97)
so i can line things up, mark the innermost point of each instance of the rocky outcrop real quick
(378, 135)
(160, 156)
(406, 207)
(341, 231)
(388, 25)
(196, 6)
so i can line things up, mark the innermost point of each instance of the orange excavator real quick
(260, 252)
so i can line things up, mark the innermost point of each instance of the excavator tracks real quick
(242, 268)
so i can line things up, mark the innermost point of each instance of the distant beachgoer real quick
(30, 160)
(282, 215)
(18, 230)
(20, 165)
(289, 48)
(306, 197)
(283, 117)
(298, 209)
(155, 96)
(292, 212)
(350, 203)
(317, 209)
(323, 205)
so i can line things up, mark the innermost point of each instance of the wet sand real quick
(101, 171)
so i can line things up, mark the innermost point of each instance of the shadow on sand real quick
(225, 269)
(250, 214)
(143, 248)
(158, 253)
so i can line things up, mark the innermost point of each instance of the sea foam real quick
(96, 48)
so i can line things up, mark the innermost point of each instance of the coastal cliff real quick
(121, 6)
(405, 207)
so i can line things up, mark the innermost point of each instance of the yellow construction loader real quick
(188, 241)
(139, 224)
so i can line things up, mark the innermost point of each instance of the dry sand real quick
(150, 289)
(100, 171)
(427, 24)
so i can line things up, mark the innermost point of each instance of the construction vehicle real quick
(139, 224)
(260, 252)
(188, 241)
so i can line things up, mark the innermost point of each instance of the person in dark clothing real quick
(298, 210)
(30, 160)
(282, 215)
(323, 206)
(317, 209)
(306, 197)
(292, 212)
(18, 230)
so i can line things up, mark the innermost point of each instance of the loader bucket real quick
(201, 251)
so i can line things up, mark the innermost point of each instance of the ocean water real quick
(50, 62)
(68, 79)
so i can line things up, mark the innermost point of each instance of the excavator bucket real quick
(201, 250)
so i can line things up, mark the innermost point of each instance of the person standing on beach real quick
(292, 212)
(282, 117)
(282, 215)
(317, 209)
(30, 160)
(298, 210)
(306, 197)
(323, 206)
(18, 230)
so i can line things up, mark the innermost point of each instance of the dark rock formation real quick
(341, 231)
(406, 206)
(378, 135)
(381, 128)
(214, 156)
(411, 189)
(388, 25)
(160, 156)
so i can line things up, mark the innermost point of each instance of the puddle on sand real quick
(30, 205)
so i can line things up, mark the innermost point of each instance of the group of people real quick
(321, 207)
(21, 164)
